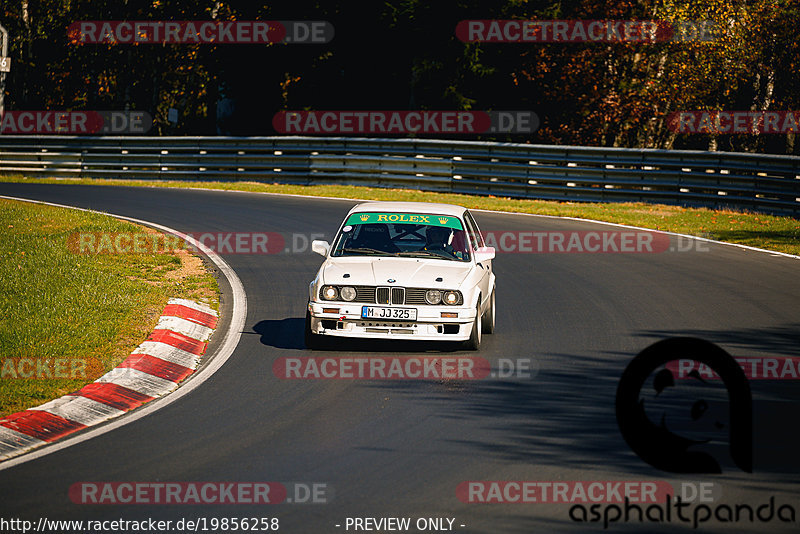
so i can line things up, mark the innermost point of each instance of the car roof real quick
(410, 207)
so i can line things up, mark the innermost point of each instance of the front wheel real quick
(474, 341)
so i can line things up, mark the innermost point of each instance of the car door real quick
(476, 240)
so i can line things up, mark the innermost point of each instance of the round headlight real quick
(433, 296)
(348, 293)
(451, 297)
(329, 293)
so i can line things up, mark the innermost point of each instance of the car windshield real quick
(403, 235)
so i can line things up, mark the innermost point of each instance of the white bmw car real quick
(404, 270)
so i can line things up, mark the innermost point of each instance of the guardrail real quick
(756, 182)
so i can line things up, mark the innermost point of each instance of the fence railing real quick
(566, 173)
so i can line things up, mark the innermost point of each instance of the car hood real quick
(406, 272)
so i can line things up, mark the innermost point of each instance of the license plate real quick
(377, 312)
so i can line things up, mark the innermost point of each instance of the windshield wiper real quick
(365, 250)
(424, 254)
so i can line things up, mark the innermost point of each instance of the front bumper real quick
(429, 326)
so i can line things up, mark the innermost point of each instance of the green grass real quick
(781, 234)
(83, 310)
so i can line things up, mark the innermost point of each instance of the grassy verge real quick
(67, 318)
(781, 234)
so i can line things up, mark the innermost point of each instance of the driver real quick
(439, 239)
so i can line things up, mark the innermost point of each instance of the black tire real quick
(312, 340)
(474, 341)
(487, 321)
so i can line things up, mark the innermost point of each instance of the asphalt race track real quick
(400, 448)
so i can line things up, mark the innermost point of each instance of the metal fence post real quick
(3, 58)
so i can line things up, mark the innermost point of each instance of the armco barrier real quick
(568, 173)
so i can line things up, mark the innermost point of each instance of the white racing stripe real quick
(11, 441)
(168, 353)
(194, 305)
(185, 327)
(80, 409)
(137, 380)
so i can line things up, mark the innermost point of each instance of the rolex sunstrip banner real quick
(405, 218)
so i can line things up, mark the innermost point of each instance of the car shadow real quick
(282, 333)
(288, 334)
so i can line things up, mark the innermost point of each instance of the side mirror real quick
(483, 254)
(321, 247)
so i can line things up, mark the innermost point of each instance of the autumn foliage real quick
(404, 54)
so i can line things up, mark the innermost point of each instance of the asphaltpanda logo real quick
(691, 438)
